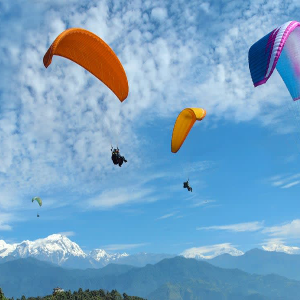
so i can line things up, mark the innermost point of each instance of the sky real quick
(57, 126)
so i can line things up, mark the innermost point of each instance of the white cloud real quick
(198, 166)
(61, 107)
(57, 124)
(116, 247)
(205, 6)
(166, 216)
(285, 181)
(288, 230)
(240, 227)
(5, 227)
(180, 217)
(5, 218)
(202, 203)
(120, 196)
(209, 252)
(289, 185)
(159, 14)
(290, 158)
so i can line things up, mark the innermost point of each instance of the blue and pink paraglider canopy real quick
(281, 49)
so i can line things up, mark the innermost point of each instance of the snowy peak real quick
(56, 246)
(99, 254)
(209, 252)
(279, 247)
(6, 249)
(59, 249)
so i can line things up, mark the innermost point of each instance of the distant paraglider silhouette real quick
(39, 201)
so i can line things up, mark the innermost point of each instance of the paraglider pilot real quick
(187, 186)
(116, 157)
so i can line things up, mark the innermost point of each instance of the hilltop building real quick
(57, 290)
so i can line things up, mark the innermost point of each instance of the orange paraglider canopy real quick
(184, 124)
(92, 53)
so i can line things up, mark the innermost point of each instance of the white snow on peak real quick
(209, 252)
(280, 247)
(56, 248)
(6, 249)
(55, 243)
(124, 254)
(100, 254)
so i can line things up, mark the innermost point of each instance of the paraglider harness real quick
(116, 157)
(187, 186)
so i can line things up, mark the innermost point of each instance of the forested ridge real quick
(80, 295)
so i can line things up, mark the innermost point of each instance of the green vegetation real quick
(2, 295)
(80, 295)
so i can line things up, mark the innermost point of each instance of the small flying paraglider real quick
(93, 54)
(116, 157)
(184, 123)
(39, 201)
(186, 185)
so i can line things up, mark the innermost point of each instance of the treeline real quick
(80, 295)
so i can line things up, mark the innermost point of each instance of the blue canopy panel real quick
(265, 55)
(288, 64)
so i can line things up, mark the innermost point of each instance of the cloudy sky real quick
(57, 126)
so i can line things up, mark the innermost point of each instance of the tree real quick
(101, 293)
(2, 295)
(116, 295)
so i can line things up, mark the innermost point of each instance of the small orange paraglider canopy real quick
(183, 125)
(92, 53)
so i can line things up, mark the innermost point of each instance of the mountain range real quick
(60, 250)
(262, 262)
(176, 278)
(57, 261)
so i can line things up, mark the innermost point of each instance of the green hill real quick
(175, 278)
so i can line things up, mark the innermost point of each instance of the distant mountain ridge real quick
(60, 250)
(171, 279)
(262, 262)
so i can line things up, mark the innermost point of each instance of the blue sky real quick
(57, 125)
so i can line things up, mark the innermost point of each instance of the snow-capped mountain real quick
(101, 255)
(209, 252)
(60, 250)
(56, 248)
(279, 247)
(6, 249)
